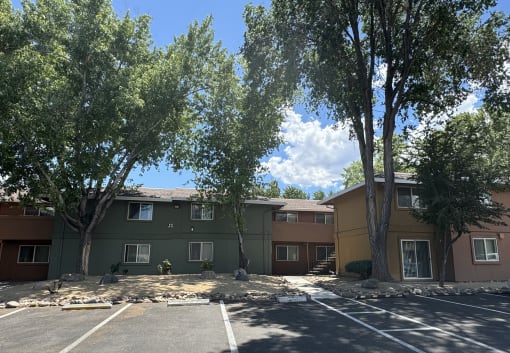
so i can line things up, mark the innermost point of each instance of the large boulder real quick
(241, 275)
(108, 279)
(51, 286)
(370, 283)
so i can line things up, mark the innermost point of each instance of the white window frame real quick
(326, 216)
(33, 255)
(137, 254)
(206, 209)
(140, 204)
(287, 214)
(332, 247)
(487, 259)
(415, 256)
(202, 258)
(287, 247)
(415, 198)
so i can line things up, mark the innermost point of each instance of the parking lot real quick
(478, 323)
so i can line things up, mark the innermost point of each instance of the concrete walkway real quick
(315, 292)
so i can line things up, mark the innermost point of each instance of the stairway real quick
(324, 267)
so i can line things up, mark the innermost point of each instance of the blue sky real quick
(315, 152)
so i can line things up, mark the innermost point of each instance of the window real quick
(44, 211)
(323, 253)
(408, 198)
(324, 218)
(36, 254)
(202, 212)
(200, 251)
(287, 253)
(140, 211)
(288, 217)
(137, 253)
(485, 249)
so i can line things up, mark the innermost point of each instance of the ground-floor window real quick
(485, 249)
(323, 253)
(200, 251)
(137, 253)
(287, 253)
(416, 259)
(37, 254)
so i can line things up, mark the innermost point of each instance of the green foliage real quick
(353, 173)
(85, 97)
(319, 195)
(165, 267)
(362, 267)
(272, 190)
(458, 168)
(375, 64)
(206, 265)
(115, 268)
(292, 192)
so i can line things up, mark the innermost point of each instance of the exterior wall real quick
(168, 234)
(307, 235)
(351, 234)
(466, 268)
(15, 230)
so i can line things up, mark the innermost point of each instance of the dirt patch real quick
(150, 286)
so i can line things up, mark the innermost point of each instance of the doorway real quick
(416, 262)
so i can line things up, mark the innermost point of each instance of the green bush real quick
(206, 265)
(165, 267)
(362, 267)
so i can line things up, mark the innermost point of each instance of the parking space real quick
(414, 324)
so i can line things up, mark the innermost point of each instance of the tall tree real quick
(240, 127)
(86, 97)
(319, 195)
(405, 56)
(456, 178)
(353, 173)
(292, 192)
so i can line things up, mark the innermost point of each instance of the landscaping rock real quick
(370, 283)
(108, 279)
(208, 275)
(72, 277)
(241, 275)
(12, 304)
(51, 286)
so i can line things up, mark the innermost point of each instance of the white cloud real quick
(313, 155)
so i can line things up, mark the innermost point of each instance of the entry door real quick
(416, 259)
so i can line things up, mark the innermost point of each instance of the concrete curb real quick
(90, 306)
(179, 302)
(292, 299)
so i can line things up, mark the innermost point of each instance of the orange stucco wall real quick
(351, 234)
(466, 268)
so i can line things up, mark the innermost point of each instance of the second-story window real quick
(289, 217)
(408, 197)
(324, 218)
(140, 211)
(202, 212)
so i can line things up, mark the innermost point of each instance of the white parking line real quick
(468, 305)
(12, 312)
(497, 295)
(91, 331)
(372, 328)
(230, 333)
(413, 348)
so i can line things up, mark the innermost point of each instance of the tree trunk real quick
(85, 246)
(447, 246)
(243, 259)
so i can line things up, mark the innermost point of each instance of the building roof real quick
(400, 178)
(178, 194)
(303, 205)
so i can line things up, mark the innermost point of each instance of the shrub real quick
(165, 267)
(114, 268)
(362, 267)
(206, 265)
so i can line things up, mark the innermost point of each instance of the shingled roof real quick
(303, 205)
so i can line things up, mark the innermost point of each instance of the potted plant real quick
(165, 267)
(206, 266)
